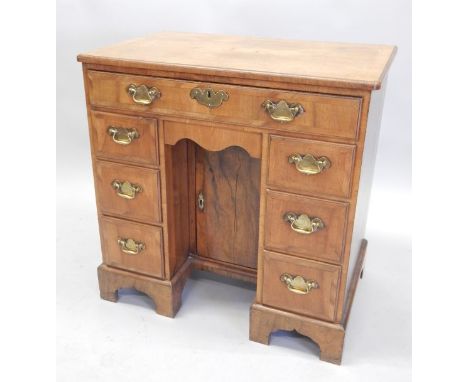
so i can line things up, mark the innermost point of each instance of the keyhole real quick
(208, 93)
(201, 201)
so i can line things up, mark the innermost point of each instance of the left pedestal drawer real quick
(128, 191)
(124, 138)
(132, 246)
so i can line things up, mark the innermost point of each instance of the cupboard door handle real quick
(126, 189)
(298, 284)
(209, 97)
(130, 246)
(143, 95)
(303, 223)
(122, 135)
(282, 111)
(309, 165)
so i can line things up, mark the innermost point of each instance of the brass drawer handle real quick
(308, 164)
(298, 284)
(126, 189)
(282, 111)
(143, 95)
(130, 246)
(303, 223)
(209, 97)
(122, 135)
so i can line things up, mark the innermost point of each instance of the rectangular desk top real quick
(343, 65)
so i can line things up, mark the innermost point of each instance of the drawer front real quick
(132, 246)
(122, 138)
(310, 167)
(301, 286)
(327, 115)
(286, 231)
(128, 191)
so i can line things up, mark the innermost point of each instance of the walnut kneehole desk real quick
(251, 158)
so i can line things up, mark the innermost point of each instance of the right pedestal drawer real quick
(300, 286)
(311, 167)
(305, 226)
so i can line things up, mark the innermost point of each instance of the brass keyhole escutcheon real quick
(209, 97)
(201, 201)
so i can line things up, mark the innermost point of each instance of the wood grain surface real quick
(326, 244)
(213, 138)
(328, 115)
(319, 303)
(149, 261)
(142, 150)
(316, 63)
(329, 337)
(146, 205)
(334, 181)
(227, 227)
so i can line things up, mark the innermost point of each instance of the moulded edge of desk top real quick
(342, 65)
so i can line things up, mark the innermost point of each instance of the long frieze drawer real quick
(311, 167)
(128, 191)
(309, 113)
(123, 138)
(300, 286)
(132, 246)
(304, 226)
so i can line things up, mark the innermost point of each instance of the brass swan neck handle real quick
(125, 189)
(122, 135)
(130, 246)
(298, 284)
(308, 164)
(304, 224)
(142, 95)
(282, 111)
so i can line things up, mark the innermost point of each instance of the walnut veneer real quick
(251, 158)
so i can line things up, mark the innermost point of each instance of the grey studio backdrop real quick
(99, 341)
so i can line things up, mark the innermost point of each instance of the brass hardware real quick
(209, 97)
(201, 201)
(298, 284)
(126, 189)
(143, 95)
(308, 164)
(130, 246)
(303, 223)
(282, 111)
(122, 135)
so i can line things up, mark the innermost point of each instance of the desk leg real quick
(329, 337)
(166, 295)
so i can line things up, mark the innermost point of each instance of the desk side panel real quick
(365, 182)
